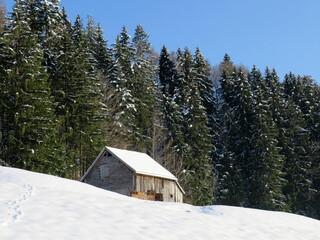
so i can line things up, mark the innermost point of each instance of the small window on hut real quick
(104, 172)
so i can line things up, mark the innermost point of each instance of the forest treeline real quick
(231, 135)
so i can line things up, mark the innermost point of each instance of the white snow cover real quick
(35, 206)
(141, 163)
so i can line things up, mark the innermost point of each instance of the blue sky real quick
(280, 34)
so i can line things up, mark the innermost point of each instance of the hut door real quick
(159, 197)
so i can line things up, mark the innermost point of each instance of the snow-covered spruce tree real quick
(122, 81)
(115, 94)
(298, 164)
(86, 115)
(169, 78)
(266, 163)
(63, 84)
(170, 83)
(98, 46)
(77, 96)
(27, 120)
(226, 169)
(297, 147)
(277, 103)
(242, 129)
(205, 85)
(306, 96)
(143, 88)
(315, 154)
(123, 53)
(48, 22)
(196, 145)
(301, 91)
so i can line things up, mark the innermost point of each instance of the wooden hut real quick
(133, 174)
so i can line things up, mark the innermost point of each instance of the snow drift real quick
(37, 206)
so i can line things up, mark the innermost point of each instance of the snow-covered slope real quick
(36, 206)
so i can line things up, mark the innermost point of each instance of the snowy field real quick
(36, 206)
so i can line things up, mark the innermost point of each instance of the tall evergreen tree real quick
(205, 85)
(122, 81)
(196, 145)
(242, 129)
(266, 163)
(143, 88)
(297, 145)
(27, 121)
(116, 96)
(276, 97)
(98, 46)
(77, 99)
(297, 165)
(170, 84)
(86, 114)
(227, 171)
(315, 154)
(123, 53)
(46, 21)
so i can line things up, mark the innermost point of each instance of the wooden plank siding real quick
(168, 188)
(112, 175)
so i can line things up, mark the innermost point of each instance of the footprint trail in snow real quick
(15, 210)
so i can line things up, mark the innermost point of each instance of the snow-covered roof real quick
(138, 162)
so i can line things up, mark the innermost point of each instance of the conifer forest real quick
(232, 135)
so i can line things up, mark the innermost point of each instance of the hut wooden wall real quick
(170, 190)
(112, 175)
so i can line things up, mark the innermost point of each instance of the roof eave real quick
(156, 175)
